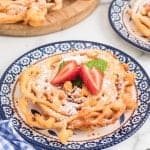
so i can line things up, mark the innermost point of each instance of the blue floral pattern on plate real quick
(116, 14)
(126, 130)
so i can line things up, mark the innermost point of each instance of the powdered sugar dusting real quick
(109, 94)
(43, 80)
(69, 108)
(79, 59)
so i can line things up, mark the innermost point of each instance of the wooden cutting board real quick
(72, 13)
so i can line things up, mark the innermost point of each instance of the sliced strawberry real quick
(68, 72)
(92, 78)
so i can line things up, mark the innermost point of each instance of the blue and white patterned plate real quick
(126, 126)
(122, 24)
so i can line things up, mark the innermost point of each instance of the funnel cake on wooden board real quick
(56, 19)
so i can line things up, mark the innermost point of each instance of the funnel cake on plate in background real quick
(131, 21)
(141, 20)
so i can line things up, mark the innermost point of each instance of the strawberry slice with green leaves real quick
(67, 72)
(92, 78)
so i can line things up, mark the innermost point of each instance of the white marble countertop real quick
(94, 28)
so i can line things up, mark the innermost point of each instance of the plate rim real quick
(79, 41)
(141, 48)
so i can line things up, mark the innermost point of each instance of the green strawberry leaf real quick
(100, 64)
(61, 65)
